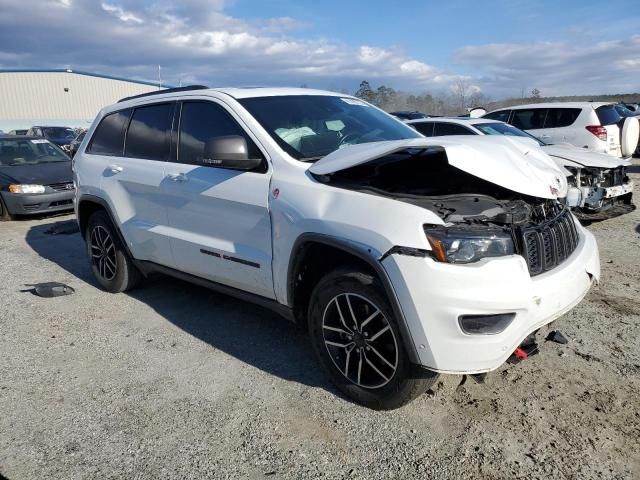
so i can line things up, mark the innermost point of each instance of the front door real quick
(219, 220)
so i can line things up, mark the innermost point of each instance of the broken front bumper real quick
(433, 296)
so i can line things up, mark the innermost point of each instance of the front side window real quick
(200, 123)
(30, 152)
(561, 117)
(108, 139)
(500, 115)
(308, 127)
(444, 129)
(529, 119)
(504, 129)
(425, 128)
(149, 133)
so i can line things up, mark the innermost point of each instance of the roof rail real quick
(166, 90)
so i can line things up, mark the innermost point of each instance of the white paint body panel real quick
(237, 212)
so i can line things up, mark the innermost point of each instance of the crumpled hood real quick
(512, 164)
(584, 157)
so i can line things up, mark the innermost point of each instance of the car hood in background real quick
(41, 174)
(512, 164)
(584, 157)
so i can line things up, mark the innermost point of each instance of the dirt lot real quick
(173, 381)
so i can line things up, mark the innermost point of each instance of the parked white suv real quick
(405, 256)
(597, 126)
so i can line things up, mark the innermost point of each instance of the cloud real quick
(195, 39)
(557, 68)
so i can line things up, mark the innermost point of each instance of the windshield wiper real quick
(311, 159)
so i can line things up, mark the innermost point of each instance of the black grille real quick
(547, 245)
(62, 187)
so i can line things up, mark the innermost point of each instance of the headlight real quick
(459, 245)
(26, 188)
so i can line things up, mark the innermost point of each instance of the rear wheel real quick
(111, 265)
(356, 338)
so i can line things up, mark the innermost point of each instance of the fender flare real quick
(368, 256)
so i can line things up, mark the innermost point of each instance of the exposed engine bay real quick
(428, 181)
(482, 219)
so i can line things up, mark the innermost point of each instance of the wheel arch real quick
(311, 249)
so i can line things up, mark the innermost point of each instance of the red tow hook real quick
(520, 354)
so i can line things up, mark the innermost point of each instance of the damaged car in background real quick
(406, 257)
(599, 187)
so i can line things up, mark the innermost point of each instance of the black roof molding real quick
(166, 90)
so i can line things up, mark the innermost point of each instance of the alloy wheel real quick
(103, 253)
(360, 340)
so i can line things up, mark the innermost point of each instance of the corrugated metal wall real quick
(39, 96)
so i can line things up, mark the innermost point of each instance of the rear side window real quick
(200, 122)
(608, 115)
(501, 115)
(529, 119)
(561, 117)
(108, 138)
(425, 128)
(443, 129)
(149, 133)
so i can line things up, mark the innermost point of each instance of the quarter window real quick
(108, 138)
(201, 122)
(149, 132)
(561, 117)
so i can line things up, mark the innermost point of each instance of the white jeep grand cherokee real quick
(406, 256)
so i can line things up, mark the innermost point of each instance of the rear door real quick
(559, 125)
(219, 217)
(132, 177)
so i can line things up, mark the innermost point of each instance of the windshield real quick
(58, 132)
(29, 152)
(308, 127)
(505, 129)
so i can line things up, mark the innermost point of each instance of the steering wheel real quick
(349, 136)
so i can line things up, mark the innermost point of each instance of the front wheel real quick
(356, 338)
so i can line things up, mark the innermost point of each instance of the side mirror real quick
(229, 152)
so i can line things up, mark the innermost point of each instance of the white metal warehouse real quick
(59, 97)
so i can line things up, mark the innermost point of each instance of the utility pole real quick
(159, 78)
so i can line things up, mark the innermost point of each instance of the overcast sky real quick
(501, 46)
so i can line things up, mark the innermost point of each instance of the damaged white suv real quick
(406, 256)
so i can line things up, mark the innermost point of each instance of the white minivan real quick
(596, 126)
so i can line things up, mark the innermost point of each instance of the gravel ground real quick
(174, 381)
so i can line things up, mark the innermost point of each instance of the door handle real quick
(177, 177)
(115, 168)
(545, 136)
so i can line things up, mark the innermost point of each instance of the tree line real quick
(464, 96)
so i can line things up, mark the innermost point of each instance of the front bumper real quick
(29, 204)
(433, 295)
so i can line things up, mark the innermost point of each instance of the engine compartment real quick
(427, 180)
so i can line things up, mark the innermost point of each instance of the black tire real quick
(377, 386)
(114, 270)
(5, 216)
